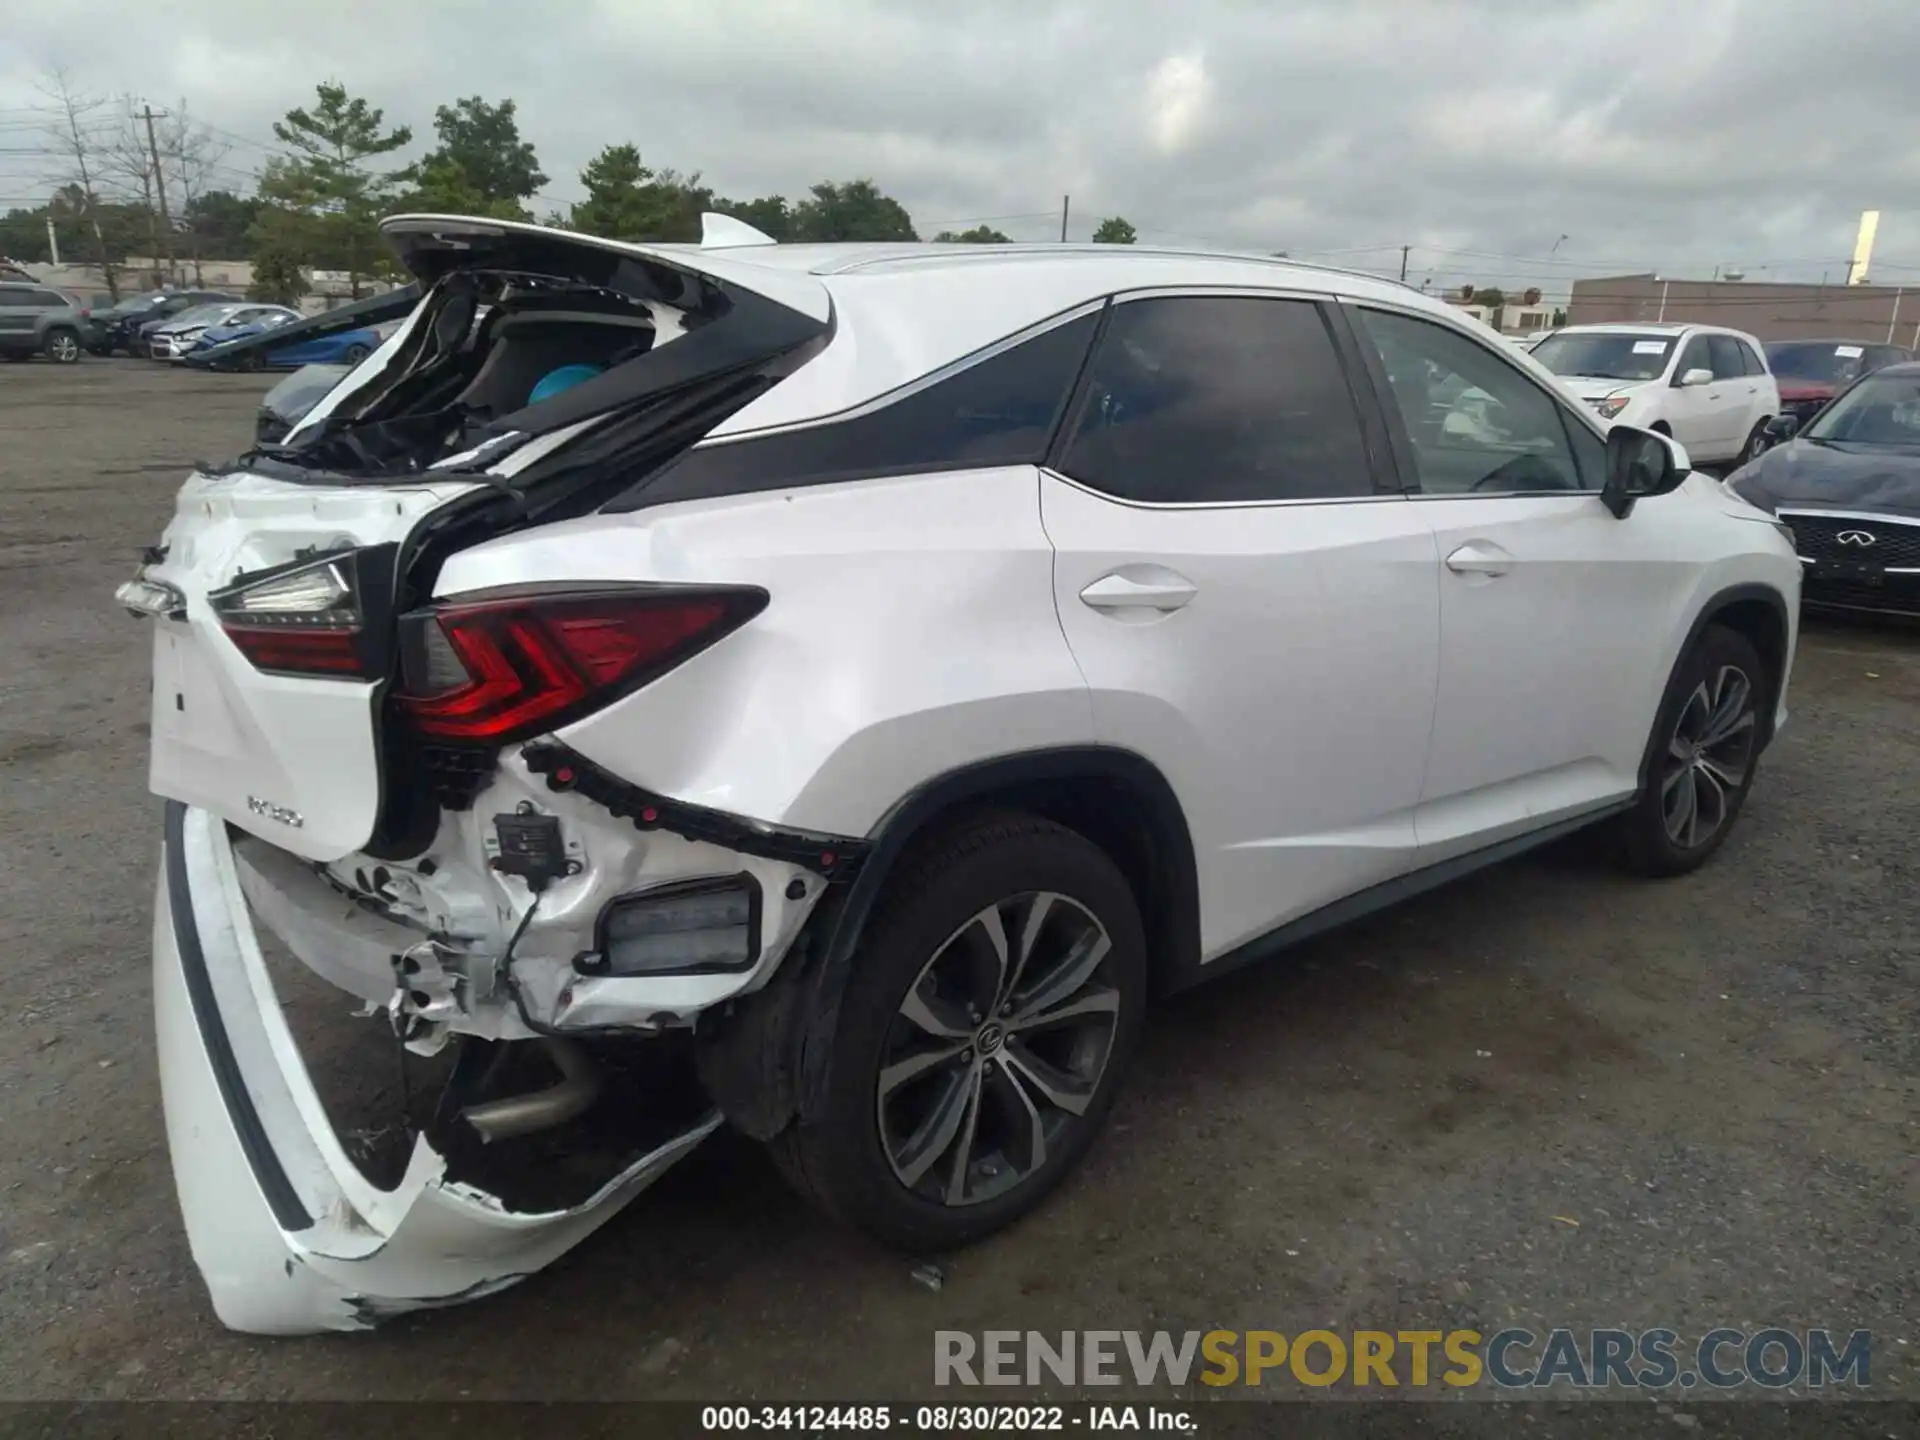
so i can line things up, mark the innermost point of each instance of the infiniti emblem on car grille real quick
(1854, 537)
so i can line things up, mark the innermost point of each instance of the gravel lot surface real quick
(1547, 1096)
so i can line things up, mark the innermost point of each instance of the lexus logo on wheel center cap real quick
(1855, 537)
(990, 1038)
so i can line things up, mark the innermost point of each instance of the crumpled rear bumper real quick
(288, 1233)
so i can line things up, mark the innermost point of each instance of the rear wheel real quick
(1756, 443)
(62, 346)
(994, 1007)
(1706, 747)
(354, 354)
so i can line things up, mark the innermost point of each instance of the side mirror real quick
(1783, 427)
(1699, 375)
(1639, 464)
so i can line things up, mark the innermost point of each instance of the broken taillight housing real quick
(498, 666)
(307, 618)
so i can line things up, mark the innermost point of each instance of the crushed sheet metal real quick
(343, 1254)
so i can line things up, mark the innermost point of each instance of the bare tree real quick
(74, 136)
(194, 154)
(126, 164)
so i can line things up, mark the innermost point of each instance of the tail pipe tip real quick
(569, 1097)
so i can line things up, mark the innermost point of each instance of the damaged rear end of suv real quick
(356, 714)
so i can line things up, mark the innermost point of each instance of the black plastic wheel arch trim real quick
(1172, 916)
(833, 857)
(1710, 613)
(289, 1212)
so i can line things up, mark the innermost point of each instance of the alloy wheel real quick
(1708, 757)
(64, 348)
(997, 1049)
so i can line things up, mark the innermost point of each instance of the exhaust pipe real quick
(577, 1088)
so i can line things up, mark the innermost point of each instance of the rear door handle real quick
(1478, 557)
(1139, 587)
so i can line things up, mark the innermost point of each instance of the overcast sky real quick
(1677, 135)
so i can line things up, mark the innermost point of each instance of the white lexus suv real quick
(873, 674)
(1707, 387)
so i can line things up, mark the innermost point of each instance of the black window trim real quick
(1374, 435)
(655, 487)
(1409, 468)
(909, 389)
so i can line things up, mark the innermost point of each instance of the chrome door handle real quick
(1477, 557)
(1148, 588)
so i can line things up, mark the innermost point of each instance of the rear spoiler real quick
(361, 313)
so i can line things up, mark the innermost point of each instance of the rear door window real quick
(1215, 400)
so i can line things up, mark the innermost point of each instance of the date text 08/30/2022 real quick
(961, 1419)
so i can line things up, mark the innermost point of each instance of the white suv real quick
(1708, 388)
(877, 672)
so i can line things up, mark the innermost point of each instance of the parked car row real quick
(41, 320)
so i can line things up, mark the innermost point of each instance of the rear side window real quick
(1752, 361)
(999, 410)
(1214, 399)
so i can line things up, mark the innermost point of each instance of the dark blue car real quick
(348, 347)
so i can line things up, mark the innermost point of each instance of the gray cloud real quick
(1671, 135)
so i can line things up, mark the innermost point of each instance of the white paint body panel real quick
(1550, 673)
(1288, 703)
(911, 630)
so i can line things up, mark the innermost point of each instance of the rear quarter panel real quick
(911, 629)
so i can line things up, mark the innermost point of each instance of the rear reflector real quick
(687, 927)
(500, 667)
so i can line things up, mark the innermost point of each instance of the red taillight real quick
(496, 669)
(303, 619)
(300, 652)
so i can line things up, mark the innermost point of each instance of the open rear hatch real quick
(540, 372)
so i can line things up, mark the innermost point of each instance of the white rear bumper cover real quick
(289, 1235)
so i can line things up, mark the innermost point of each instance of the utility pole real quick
(160, 189)
(53, 249)
(1065, 200)
(1403, 263)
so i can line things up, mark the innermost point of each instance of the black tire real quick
(253, 362)
(1756, 444)
(61, 344)
(354, 354)
(928, 919)
(1655, 836)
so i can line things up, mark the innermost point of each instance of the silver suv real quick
(37, 319)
